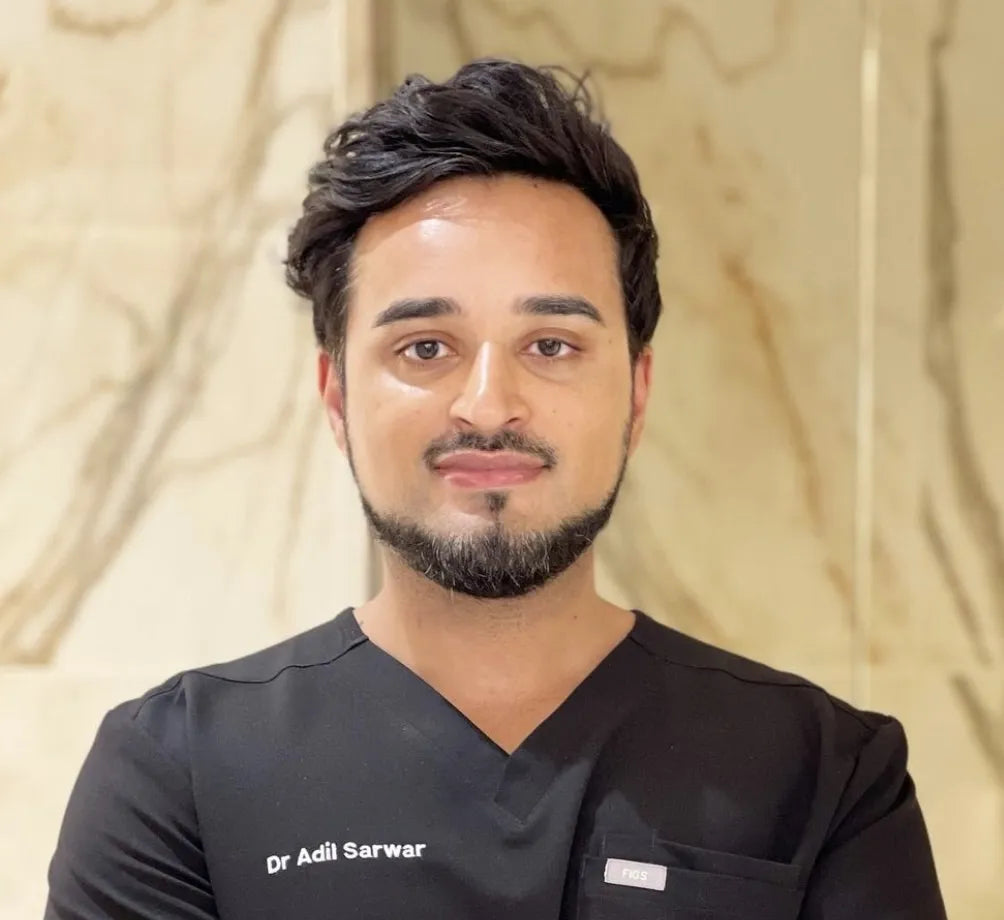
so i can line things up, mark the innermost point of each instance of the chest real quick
(373, 817)
(372, 796)
(413, 838)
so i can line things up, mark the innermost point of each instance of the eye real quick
(424, 350)
(551, 348)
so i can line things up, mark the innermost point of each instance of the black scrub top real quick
(321, 778)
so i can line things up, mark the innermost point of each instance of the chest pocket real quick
(699, 885)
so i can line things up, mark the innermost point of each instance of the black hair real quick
(491, 117)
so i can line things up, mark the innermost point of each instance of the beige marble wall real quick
(169, 491)
(823, 474)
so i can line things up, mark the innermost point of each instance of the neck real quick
(515, 648)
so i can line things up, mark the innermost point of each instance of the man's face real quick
(491, 401)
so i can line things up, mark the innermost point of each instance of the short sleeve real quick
(877, 863)
(129, 845)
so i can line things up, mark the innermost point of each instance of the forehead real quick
(488, 239)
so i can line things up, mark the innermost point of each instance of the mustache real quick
(503, 440)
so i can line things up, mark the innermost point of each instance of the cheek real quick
(390, 424)
(592, 446)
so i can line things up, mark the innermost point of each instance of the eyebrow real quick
(535, 305)
(416, 308)
(559, 305)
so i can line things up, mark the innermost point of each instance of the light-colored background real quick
(823, 473)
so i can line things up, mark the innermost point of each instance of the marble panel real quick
(939, 361)
(165, 462)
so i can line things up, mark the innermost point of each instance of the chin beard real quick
(492, 563)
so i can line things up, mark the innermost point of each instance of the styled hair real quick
(491, 117)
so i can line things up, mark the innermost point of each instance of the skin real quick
(486, 245)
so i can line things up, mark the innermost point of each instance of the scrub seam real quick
(795, 684)
(252, 682)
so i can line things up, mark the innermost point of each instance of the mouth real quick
(482, 470)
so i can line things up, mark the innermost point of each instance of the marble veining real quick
(671, 21)
(125, 463)
(103, 20)
(973, 496)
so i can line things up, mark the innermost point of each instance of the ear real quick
(642, 387)
(332, 395)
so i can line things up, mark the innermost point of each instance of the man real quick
(487, 738)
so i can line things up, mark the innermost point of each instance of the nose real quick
(490, 399)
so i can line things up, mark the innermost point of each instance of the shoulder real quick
(167, 713)
(735, 688)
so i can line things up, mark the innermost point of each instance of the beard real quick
(494, 562)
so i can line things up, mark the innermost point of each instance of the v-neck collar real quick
(515, 782)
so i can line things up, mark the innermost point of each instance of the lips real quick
(479, 469)
(483, 460)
